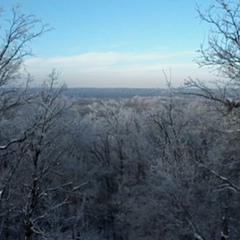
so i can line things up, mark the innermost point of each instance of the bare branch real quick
(22, 30)
(223, 46)
(231, 185)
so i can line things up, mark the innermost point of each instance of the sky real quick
(117, 43)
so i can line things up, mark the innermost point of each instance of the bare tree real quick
(19, 32)
(22, 30)
(222, 50)
(220, 53)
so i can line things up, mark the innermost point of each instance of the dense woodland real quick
(125, 168)
(139, 168)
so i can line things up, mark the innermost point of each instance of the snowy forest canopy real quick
(135, 168)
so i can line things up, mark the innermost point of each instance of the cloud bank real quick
(113, 69)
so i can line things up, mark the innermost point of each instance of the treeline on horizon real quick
(114, 92)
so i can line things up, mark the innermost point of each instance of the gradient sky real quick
(117, 43)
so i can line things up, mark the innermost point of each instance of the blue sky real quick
(117, 43)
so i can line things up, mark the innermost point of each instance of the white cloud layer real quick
(113, 69)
